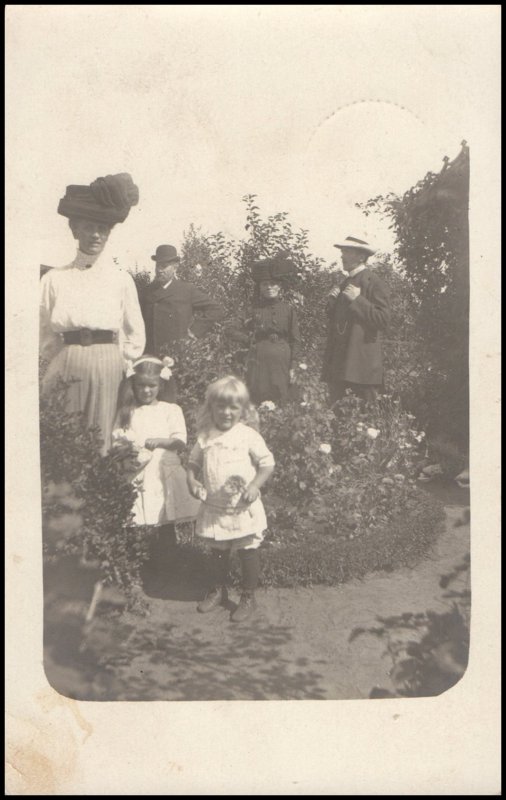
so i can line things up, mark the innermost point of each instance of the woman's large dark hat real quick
(106, 200)
(272, 269)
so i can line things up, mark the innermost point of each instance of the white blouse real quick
(100, 297)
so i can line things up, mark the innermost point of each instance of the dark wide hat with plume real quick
(106, 200)
(272, 269)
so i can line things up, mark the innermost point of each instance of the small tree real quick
(430, 222)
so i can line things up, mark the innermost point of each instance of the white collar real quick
(356, 270)
(166, 285)
(82, 260)
(215, 436)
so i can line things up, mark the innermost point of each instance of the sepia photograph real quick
(250, 241)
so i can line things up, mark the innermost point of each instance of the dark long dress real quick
(273, 332)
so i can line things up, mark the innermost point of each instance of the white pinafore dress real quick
(163, 495)
(229, 461)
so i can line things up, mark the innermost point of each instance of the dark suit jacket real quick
(353, 352)
(170, 313)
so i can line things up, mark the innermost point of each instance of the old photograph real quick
(252, 260)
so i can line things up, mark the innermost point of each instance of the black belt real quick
(85, 337)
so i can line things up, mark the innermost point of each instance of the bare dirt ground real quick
(296, 646)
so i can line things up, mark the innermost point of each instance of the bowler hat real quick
(356, 244)
(272, 269)
(165, 252)
(106, 200)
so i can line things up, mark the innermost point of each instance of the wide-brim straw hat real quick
(357, 244)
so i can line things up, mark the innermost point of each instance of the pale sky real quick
(312, 108)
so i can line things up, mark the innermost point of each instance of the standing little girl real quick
(157, 431)
(233, 461)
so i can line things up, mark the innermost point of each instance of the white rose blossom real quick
(303, 366)
(373, 433)
(268, 405)
(325, 448)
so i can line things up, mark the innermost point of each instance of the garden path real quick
(296, 647)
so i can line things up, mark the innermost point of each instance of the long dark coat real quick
(170, 313)
(353, 353)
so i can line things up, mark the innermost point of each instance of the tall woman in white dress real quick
(90, 319)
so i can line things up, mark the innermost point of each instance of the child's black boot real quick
(217, 594)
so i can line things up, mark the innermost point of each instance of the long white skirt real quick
(98, 370)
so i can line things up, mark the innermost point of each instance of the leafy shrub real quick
(87, 498)
(309, 556)
(342, 500)
(432, 247)
(429, 650)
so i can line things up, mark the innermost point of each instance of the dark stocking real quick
(219, 567)
(250, 563)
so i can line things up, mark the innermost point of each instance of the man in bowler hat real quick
(172, 308)
(358, 313)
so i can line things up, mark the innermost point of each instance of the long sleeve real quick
(239, 330)
(132, 336)
(294, 335)
(207, 311)
(50, 343)
(373, 312)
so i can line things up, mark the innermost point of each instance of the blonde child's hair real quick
(227, 388)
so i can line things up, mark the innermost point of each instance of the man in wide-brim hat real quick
(90, 320)
(173, 308)
(358, 311)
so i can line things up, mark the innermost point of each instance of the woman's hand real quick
(197, 490)
(251, 493)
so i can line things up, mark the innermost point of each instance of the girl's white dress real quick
(229, 461)
(163, 494)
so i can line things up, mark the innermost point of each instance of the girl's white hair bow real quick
(166, 372)
(166, 363)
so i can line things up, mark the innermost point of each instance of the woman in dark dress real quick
(272, 333)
